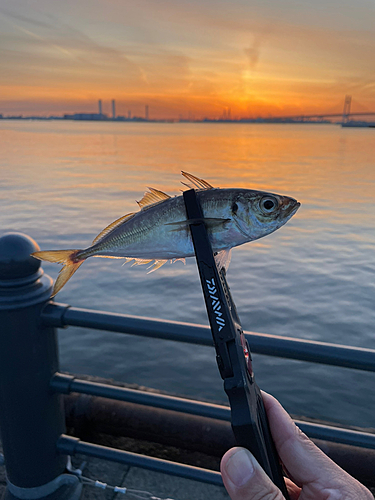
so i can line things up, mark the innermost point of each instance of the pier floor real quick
(160, 485)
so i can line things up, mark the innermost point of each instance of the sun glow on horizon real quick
(185, 59)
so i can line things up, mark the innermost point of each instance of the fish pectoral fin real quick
(210, 223)
(152, 197)
(222, 259)
(195, 182)
(112, 226)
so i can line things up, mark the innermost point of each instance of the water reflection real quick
(62, 182)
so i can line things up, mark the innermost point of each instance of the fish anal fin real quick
(222, 259)
(195, 182)
(112, 226)
(181, 259)
(141, 262)
(152, 197)
(156, 265)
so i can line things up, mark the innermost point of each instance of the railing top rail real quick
(62, 315)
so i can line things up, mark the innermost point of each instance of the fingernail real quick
(239, 467)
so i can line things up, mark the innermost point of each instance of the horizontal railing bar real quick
(61, 315)
(67, 383)
(68, 445)
(337, 434)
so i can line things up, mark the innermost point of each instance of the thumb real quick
(244, 479)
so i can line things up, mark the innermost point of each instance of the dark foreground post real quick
(31, 416)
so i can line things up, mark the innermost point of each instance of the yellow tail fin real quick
(66, 257)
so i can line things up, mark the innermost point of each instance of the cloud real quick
(26, 19)
(212, 52)
(52, 45)
(253, 52)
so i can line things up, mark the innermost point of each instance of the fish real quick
(159, 232)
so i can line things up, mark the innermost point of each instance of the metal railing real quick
(31, 387)
(61, 315)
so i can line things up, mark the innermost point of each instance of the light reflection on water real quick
(62, 182)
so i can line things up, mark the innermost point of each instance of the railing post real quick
(31, 415)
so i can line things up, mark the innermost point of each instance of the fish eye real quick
(268, 204)
(234, 208)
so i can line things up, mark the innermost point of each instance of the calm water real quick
(62, 182)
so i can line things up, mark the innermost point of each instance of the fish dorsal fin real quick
(195, 182)
(112, 226)
(152, 197)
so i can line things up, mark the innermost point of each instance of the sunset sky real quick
(186, 57)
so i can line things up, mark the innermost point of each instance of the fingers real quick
(302, 459)
(315, 476)
(244, 479)
(306, 464)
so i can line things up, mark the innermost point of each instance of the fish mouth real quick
(290, 210)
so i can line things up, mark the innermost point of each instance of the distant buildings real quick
(100, 116)
(86, 116)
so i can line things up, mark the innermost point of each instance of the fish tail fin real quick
(70, 263)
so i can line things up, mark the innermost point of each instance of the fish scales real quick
(152, 233)
(146, 234)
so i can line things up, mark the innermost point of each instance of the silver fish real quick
(159, 231)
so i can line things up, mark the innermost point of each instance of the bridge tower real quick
(346, 111)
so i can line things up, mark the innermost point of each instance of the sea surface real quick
(62, 182)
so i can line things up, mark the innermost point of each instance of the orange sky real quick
(186, 57)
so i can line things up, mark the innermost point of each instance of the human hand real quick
(313, 475)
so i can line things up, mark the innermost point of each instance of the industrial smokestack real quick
(146, 112)
(113, 109)
(100, 107)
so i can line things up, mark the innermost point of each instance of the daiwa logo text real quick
(215, 302)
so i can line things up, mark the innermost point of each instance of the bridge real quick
(345, 116)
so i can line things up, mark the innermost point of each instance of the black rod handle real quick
(249, 419)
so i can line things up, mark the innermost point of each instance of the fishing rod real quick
(248, 416)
